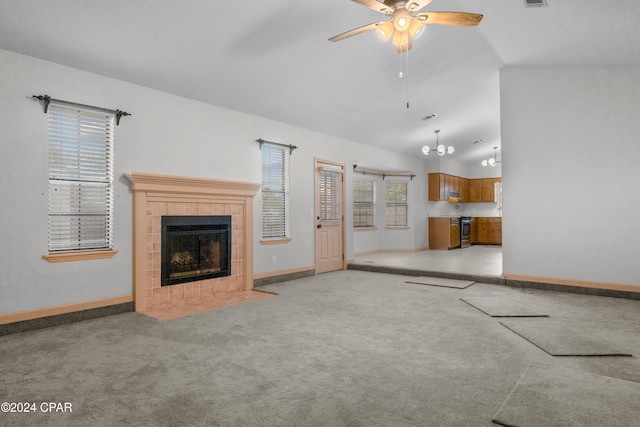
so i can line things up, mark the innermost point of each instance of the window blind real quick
(396, 204)
(363, 203)
(330, 195)
(275, 191)
(80, 179)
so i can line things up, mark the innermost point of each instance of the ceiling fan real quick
(406, 21)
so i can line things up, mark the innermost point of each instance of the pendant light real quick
(491, 162)
(440, 148)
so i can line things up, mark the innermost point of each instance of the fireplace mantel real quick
(156, 195)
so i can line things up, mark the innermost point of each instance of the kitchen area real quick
(464, 212)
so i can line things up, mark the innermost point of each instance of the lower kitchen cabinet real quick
(486, 231)
(444, 233)
(495, 231)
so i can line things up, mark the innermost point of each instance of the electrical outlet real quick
(274, 260)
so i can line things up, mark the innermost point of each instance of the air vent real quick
(430, 116)
(535, 3)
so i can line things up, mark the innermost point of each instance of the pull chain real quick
(404, 72)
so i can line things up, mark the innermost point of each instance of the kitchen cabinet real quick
(473, 235)
(442, 185)
(494, 231)
(475, 194)
(483, 231)
(486, 231)
(435, 187)
(444, 233)
(488, 189)
(482, 190)
(464, 189)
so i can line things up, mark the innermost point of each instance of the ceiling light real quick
(440, 148)
(386, 30)
(492, 161)
(401, 19)
(415, 28)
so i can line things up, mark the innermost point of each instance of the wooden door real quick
(329, 216)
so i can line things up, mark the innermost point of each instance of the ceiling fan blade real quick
(356, 31)
(375, 5)
(416, 5)
(450, 18)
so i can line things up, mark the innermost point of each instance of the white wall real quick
(166, 134)
(571, 150)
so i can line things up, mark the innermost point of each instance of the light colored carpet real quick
(502, 307)
(553, 396)
(445, 283)
(559, 339)
(342, 349)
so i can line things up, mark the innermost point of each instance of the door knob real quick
(319, 226)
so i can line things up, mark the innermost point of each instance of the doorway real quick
(329, 215)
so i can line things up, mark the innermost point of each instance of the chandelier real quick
(491, 162)
(440, 148)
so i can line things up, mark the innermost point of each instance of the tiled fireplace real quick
(161, 196)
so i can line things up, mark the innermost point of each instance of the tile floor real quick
(477, 260)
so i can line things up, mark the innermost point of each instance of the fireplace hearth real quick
(195, 248)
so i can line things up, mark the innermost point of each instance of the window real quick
(330, 195)
(275, 191)
(80, 179)
(396, 204)
(364, 201)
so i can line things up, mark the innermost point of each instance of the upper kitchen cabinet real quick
(443, 187)
(464, 189)
(475, 190)
(434, 187)
(482, 190)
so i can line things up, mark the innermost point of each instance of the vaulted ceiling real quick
(273, 58)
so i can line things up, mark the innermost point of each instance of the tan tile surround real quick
(157, 195)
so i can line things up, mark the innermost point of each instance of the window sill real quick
(395, 228)
(80, 255)
(365, 228)
(279, 241)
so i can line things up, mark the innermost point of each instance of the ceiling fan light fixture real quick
(400, 37)
(415, 28)
(402, 41)
(401, 20)
(385, 30)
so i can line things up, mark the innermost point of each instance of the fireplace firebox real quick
(195, 248)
